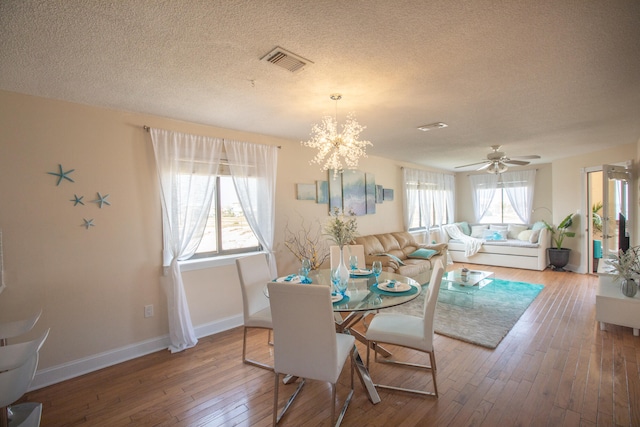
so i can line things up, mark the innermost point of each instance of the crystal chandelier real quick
(335, 148)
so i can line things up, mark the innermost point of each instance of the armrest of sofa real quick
(440, 247)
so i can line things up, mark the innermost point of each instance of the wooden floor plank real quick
(555, 367)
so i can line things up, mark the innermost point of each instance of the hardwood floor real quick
(555, 367)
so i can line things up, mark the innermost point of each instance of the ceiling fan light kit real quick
(497, 161)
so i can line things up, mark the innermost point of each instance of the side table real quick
(613, 307)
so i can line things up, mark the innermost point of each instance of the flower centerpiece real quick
(341, 229)
(626, 267)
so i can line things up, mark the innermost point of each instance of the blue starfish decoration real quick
(102, 200)
(77, 200)
(88, 223)
(61, 174)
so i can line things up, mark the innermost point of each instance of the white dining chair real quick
(306, 344)
(348, 250)
(409, 331)
(14, 355)
(254, 274)
(15, 382)
(17, 327)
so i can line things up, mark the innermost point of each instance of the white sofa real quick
(505, 253)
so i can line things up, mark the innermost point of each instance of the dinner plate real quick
(336, 298)
(399, 286)
(360, 272)
(293, 278)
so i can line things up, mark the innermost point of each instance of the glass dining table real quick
(365, 294)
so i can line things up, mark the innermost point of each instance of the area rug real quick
(494, 312)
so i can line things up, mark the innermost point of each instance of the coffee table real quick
(460, 290)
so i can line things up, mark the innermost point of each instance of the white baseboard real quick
(75, 368)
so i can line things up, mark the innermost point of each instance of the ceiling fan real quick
(498, 162)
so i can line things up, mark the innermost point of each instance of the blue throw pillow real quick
(423, 253)
(464, 226)
(538, 226)
(393, 257)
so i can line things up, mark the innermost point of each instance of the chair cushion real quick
(400, 329)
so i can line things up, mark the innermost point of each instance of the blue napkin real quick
(391, 284)
(290, 277)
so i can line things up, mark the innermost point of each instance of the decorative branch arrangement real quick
(307, 242)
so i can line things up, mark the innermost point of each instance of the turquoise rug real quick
(495, 309)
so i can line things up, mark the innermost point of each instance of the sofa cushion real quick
(535, 236)
(514, 230)
(539, 225)
(525, 235)
(423, 253)
(477, 231)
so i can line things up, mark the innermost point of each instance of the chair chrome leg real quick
(250, 361)
(289, 401)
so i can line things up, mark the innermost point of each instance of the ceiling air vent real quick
(285, 59)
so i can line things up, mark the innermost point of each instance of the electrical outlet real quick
(148, 310)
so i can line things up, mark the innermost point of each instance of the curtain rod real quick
(147, 128)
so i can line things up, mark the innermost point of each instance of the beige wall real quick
(93, 284)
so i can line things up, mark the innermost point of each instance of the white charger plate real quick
(399, 286)
(284, 279)
(336, 298)
(361, 272)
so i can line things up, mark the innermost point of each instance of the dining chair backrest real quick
(18, 327)
(431, 299)
(15, 382)
(304, 331)
(254, 273)
(15, 355)
(357, 250)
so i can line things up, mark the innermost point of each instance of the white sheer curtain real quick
(253, 168)
(187, 167)
(483, 188)
(432, 192)
(410, 188)
(520, 186)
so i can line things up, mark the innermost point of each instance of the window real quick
(500, 210)
(227, 230)
(429, 198)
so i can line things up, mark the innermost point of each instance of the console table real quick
(613, 307)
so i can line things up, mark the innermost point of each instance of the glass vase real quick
(629, 288)
(344, 271)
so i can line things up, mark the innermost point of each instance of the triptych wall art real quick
(351, 190)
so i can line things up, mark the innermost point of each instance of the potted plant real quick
(559, 256)
(626, 268)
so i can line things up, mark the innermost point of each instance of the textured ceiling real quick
(540, 77)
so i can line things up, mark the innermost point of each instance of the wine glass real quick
(376, 269)
(353, 262)
(339, 285)
(304, 270)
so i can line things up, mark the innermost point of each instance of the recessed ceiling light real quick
(438, 125)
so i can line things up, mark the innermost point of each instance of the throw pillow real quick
(499, 227)
(451, 229)
(514, 230)
(538, 226)
(525, 235)
(495, 235)
(393, 257)
(535, 235)
(477, 231)
(423, 253)
(464, 226)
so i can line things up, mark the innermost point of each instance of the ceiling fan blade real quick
(484, 167)
(531, 156)
(473, 164)
(515, 162)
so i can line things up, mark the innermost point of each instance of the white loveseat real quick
(508, 251)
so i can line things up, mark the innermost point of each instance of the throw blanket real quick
(471, 244)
